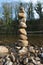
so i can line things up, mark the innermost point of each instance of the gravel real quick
(23, 56)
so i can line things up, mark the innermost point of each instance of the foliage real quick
(11, 25)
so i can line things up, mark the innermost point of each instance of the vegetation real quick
(9, 21)
(30, 11)
(38, 9)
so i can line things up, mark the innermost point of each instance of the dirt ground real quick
(33, 39)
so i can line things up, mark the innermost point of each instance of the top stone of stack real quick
(21, 9)
(21, 12)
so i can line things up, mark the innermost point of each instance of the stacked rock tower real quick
(23, 39)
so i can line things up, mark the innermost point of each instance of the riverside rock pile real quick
(23, 56)
(22, 34)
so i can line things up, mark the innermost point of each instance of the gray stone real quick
(42, 55)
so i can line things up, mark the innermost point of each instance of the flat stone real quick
(38, 62)
(24, 42)
(23, 37)
(23, 31)
(37, 58)
(22, 15)
(23, 25)
(23, 20)
(34, 61)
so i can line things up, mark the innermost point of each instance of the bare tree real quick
(38, 9)
(30, 11)
(7, 12)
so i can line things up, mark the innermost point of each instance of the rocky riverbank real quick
(23, 56)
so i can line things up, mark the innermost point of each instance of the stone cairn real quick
(22, 34)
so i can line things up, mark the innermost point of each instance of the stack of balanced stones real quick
(23, 39)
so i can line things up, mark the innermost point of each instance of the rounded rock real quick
(24, 42)
(22, 9)
(31, 49)
(23, 37)
(23, 51)
(23, 20)
(22, 31)
(22, 24)
(22, 15)
(3, 51)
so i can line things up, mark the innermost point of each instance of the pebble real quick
(37, 59)
(23, 50)
(23, 57)
(42, 55)
(31, 49)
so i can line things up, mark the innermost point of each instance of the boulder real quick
(3, 50)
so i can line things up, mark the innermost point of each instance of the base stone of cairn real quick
(3, 51)
(23, 39)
